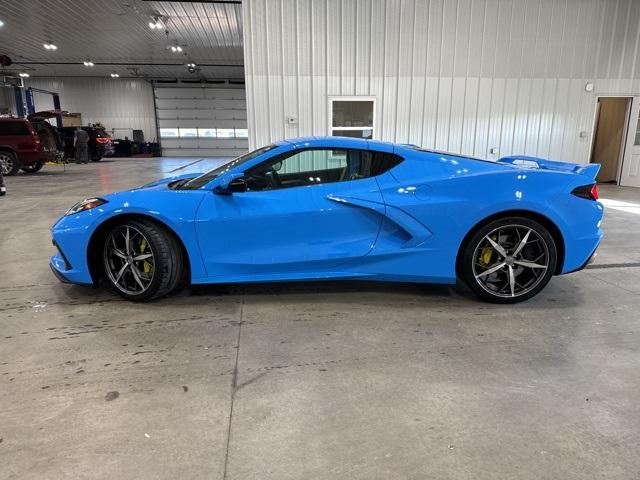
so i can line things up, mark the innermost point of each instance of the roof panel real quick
(117, 31)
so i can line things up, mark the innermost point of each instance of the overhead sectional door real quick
(201, 121)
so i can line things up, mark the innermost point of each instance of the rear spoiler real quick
(589, 170)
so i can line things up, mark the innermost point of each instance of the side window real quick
(384, 161)
(13, 128)
(316, 166)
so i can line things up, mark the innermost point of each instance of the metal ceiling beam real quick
(232, 2)
(134, 64)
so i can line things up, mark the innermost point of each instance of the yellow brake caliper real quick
(146, 266)
(485, 255)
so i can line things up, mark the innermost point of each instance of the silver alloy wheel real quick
(510, 261)
(6, 163)
(129, 260)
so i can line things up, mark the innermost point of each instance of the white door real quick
(630, 176)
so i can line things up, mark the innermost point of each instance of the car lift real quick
(31, 106)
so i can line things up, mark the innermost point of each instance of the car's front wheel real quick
(32, 167)
(9, 163)
(142, 260)
(509, 260)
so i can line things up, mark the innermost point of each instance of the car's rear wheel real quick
(509, 260)
(32, 167)
(142, 260)
(9, 163)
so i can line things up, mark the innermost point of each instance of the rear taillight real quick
(103, 140)
(35, 139)
(590, 192)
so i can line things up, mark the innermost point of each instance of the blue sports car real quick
(340, 208)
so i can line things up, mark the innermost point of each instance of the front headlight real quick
(86, 204)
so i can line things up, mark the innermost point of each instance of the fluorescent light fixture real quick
(24, 75)
(88, 63)
(115, 75)
(192, 65)
(176, 48)
(1, 23)
(49, 46)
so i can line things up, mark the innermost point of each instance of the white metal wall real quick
(7, 100)
(202, 107)
(120, 104)
(467, 76)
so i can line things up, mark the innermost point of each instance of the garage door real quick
(201, 121)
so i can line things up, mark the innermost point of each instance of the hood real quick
(166, 181)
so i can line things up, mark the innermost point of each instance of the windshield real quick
(205, 178)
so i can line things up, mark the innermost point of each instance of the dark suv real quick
(26, 144)
(100, 143)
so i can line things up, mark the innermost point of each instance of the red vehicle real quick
(26, 144)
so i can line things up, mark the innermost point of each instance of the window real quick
(352, 116)
(316, 166)
(226, 133)
(636, 141)
(207, 133)
(203, 133)
(13, 128)
(364, 133)
(188, 133)
(169, 132)
(206, 177)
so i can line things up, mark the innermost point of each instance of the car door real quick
(303, 211)
(48, 134)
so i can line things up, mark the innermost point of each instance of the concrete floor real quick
(310, 381)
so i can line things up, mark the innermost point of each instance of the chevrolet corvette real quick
(328, 208)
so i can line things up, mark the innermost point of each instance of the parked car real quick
(340, 208)
(26, 144)
(100, 143)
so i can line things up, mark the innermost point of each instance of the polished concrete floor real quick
(310, 381)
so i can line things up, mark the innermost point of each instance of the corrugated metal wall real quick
(120, 104)
(467, 76)
(202, 107)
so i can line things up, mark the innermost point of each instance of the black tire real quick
(96, 159)
(168, 263)
(9, 163)
(533, 264)
(32, 167)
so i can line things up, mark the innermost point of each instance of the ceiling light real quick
(88, 63)
(156, 22)
(1, 23)
(24, 75)
(115, 75)
(192, 65)
(49, 46)
(176, 48)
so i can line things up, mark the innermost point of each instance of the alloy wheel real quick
(129, 260)
(6, 164)
(510, 261)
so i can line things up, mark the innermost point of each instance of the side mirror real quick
(236, 183)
